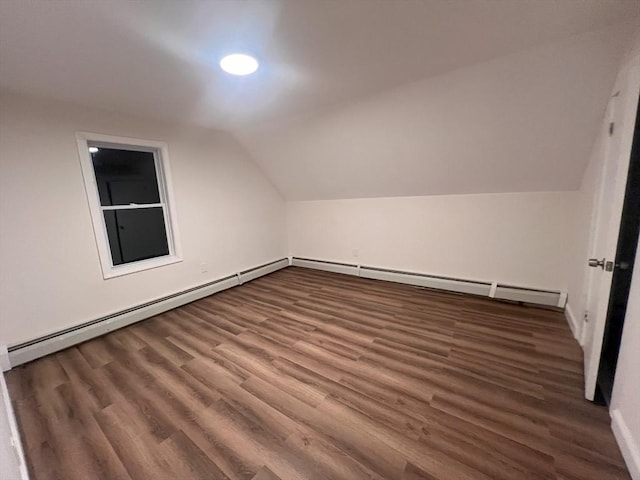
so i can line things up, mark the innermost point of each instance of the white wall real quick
(625, 402)
(230, 216)
(519, 238)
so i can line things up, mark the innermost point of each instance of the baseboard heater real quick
(44, 345)
(41, 346)
(552, 298)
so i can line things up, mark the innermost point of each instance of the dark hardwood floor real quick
(312, 375)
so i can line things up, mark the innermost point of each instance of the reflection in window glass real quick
(125, 177)
(136, 234)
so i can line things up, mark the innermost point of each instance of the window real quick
(128, 188)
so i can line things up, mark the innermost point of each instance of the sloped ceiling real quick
(519, 123)
(354, 98)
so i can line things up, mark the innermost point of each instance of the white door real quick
(616, 150)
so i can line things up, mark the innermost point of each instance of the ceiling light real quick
(239, 64)
(93, 149)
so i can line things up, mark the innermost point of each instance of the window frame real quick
(163, 175)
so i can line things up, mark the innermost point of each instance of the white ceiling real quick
(518, 123)
(339, 66)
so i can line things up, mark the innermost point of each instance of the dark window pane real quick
(125, 177)
(136, 234)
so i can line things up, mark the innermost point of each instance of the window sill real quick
(140, 266)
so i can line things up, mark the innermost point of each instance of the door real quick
(616, 154)
(622, 272)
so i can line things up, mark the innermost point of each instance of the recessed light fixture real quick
(93, 149)
(239, 64)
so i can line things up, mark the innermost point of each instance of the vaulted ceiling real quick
(354, 98)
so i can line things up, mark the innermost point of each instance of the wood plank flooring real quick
(311, 375)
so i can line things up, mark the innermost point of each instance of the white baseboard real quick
(10, 443)
(335, 267)
(493, 289)
(628, 446)
(576, 328)
(459, 286)
(253, 273)
(529, 295)
(40, 347)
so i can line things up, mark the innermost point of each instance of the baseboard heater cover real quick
(257, 272)
(41, 346)
(427, 281)
(528, 295)
(475, 287)
(335, 267)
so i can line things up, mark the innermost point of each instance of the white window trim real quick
(163, 174)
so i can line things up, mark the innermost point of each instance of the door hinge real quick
(611, 126)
